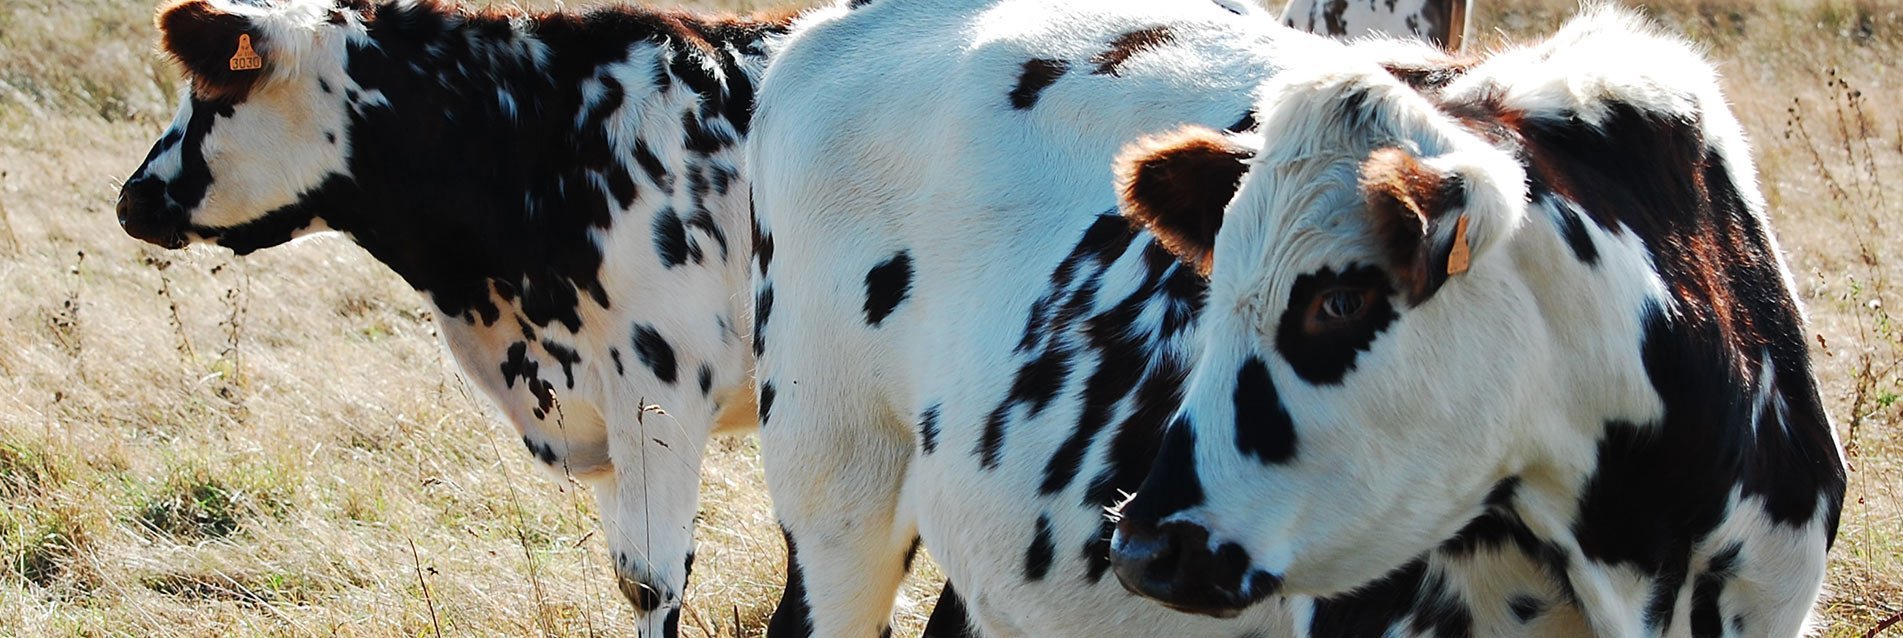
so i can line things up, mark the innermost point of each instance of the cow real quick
(564, 188)
(1497, 346)
(913, 162)
(1440, 22)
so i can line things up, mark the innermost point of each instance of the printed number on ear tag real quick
(246, 59)
(1460, 256)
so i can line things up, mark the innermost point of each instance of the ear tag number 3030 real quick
(246, 59)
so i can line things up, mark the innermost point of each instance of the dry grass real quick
(192, 444)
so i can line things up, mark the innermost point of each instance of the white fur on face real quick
(282, 142)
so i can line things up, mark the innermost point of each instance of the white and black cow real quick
(1478, 454)
(915, 161)
(1442, 22)
(1494, 347)
(565, 188)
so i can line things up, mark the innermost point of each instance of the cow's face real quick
(1353, 402)
(261, 130)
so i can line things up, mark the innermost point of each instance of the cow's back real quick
(979, 107)
(978, 136)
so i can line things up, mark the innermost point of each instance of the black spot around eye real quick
(1326, 357)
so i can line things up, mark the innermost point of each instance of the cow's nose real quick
(656, 603)
(1174, 565)
(645, 597)
(147, 215)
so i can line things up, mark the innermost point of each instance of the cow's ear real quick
(1177, 184)
(222, 52)
(1420, 218)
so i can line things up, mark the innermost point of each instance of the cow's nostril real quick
(1149, 560)
(145, 214)
(643, 596)
(1175, 565)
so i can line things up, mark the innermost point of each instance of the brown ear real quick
(1413, 210)
(221, 51)
(1177, 184)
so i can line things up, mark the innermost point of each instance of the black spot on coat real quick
(1037, 557)
(767, 394)
(654, 352)
(1128, 45)
(928, 429)
(1036, 76)
(887, 285)
(670, 239)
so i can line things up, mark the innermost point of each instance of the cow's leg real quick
(648, 506)
(835, 467)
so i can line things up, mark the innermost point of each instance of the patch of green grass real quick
(25, 472)
(193, 503)
(40, 545)
(239, 587)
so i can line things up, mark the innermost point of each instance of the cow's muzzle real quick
(1173, 564)
(658, 607)
(147, 214)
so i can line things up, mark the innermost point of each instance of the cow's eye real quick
(1343, 304)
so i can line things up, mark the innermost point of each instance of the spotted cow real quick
(1500, 346)
(1442, 22)
(564, 188)
(964, 346)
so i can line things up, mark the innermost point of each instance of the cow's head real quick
(259, 131)
(1350, 406)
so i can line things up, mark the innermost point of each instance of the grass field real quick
(194, 444)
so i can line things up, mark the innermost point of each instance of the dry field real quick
(194, 444)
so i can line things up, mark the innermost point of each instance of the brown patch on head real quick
(1177, 184)
(1407, 203)
(204, 41)
(1110, 62)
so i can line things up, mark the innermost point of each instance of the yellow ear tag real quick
(246, 59)
(1461, 255)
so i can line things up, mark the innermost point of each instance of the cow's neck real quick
(492, 157)
(1686, 449)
